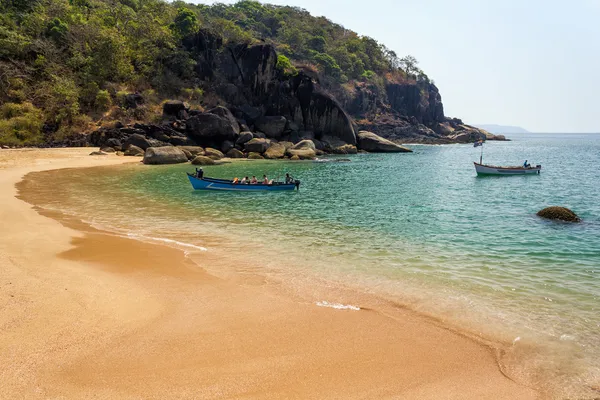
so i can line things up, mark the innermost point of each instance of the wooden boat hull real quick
(483, 169)
(224, 184)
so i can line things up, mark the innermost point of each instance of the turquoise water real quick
(420, 228)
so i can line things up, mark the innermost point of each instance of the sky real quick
(528, 63)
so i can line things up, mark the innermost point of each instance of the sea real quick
(419, 229)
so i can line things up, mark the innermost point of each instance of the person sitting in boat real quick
(236, 180)
(265, 180)
(254, 181)
(199, 173)
(288, 179)
(244, 180)
(526, 164)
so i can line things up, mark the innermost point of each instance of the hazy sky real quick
(531, 63)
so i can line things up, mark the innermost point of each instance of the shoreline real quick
(93, 314)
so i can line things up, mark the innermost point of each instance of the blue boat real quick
(205, 183)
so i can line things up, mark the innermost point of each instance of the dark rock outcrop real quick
(172, 108)
(164, 155)
(208, 127)
(370, 142)
(244, 137)
(273, 127)
(559, 213)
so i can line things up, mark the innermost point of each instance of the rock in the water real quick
(376, 144)
(98, 153)
(164, 155)
(244, 138)
(120, 153)
(203, 160)
(276, 150)
(294, 158)
(255, 156)
(107, 150)
(133, 150)
(138, 140)
(345, 149)
(305, 150)
(273, 127)
(235, 153)
(213, 153)
(559, 213)
(173, 107)
(257, 145)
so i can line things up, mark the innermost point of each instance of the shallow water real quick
(419, 228)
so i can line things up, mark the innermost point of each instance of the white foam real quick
(169, 241)
(337, 306)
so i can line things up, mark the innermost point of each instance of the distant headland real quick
(502, 129)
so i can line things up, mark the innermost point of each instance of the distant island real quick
(496, 129)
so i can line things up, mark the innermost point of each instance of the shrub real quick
(102, 101)
(285, 66)
(20, 124)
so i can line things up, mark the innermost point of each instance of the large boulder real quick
(305, 150)
(107, 149)
(172, 108)
(226, 146)
(273, 127)
(213, 153)
(133, 150)
(138, 140)
(164, 155)
(203, 160)
(276, 150)
(226, 114)
(208, 126)
(244, 138)
(194, 150)
(235, 153)
(114, 143)
(559, 213)
(257, 145)
(371, 142)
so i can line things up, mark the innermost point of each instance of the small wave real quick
(169, 241)
(337, 306)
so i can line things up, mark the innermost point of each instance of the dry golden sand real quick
(85, 314)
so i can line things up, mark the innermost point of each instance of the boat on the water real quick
(206, 183)
(483, 169)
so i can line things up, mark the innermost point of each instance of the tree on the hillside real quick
(409, 65)
(185, 22)
(317, 43)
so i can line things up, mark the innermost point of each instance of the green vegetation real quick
(64, 63)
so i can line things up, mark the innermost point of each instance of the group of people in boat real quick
(249, 181)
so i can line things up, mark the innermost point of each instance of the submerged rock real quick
(98, 153)
(164, 155)
(559, 213)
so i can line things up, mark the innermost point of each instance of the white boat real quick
(483, 169)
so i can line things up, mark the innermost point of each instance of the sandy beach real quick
(88, 314)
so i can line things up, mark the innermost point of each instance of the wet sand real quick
(87, 314)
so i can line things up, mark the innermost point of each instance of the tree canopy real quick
(64, 62)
